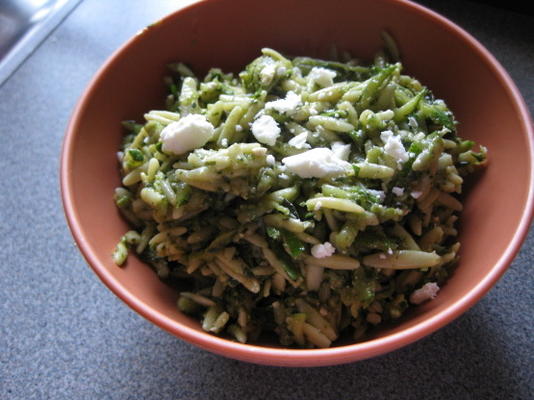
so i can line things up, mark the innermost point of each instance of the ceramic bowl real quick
(229, 34)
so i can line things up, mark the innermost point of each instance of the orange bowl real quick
(229, 34)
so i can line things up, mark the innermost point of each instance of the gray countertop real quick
(64, 335)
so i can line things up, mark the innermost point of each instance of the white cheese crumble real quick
(378, 193)
(412, 123)
(322, 76)
(416, 194)
(270, 160)
(285, 106)
(281, 70)
(323, 250)
(341, 150)
(267, 74)
(299, 141)
(427, 292)
(419, 136)
(188, 133)
(397, 191)
(393, 147)
(317, 163)
(266, 130)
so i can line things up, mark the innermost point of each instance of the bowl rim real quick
(302, 357)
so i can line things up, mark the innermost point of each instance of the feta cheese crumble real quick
(427, 292)
(416, 194)
(267, 74)
(341, 150)
(270, 160)
(285, 106)
(393, 147)
(322, 76)
(323, 250)
(186, 134)
(412, 123)
(419, 136)
(299, 141)
(397, 191)
(317, 163)
(378, 193)
(281, 70)
(266, 130)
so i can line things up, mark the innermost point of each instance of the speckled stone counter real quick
(64, 335)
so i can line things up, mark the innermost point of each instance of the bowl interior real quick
(228, 34)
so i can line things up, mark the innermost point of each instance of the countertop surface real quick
(64, 335)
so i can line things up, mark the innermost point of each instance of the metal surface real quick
(23, 25)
